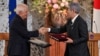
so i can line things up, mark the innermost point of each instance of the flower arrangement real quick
(56, 6)
(48, 4)
(57, 10)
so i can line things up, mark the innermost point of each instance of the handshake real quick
(60, 37)
(43, 30)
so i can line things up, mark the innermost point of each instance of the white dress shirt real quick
(73, 20)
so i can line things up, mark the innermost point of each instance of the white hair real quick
(20, 8)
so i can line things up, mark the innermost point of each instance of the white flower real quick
(62, 4)
(66, 4)
(63, 0)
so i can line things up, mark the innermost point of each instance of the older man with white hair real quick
(19, 35)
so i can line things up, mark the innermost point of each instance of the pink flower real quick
(54, 1)
(49, 1)
(56, 6)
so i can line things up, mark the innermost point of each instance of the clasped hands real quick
(44, 30)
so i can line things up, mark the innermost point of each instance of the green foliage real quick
(38, 5)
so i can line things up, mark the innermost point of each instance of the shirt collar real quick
(73, 20)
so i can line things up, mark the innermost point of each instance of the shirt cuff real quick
(49, 29)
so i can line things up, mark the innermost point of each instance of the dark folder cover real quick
(59, 37)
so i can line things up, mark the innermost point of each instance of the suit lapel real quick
(75, 23)
(71, 28)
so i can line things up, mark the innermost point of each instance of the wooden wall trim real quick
(94, 37)
(92, 41)
(4, 36)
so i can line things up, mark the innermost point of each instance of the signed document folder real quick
(59, 37)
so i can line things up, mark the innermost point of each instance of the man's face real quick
(24, 13)
(69, 13)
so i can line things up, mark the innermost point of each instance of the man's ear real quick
(20, 12)
(73, 10)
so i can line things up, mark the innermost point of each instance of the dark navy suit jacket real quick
(19, 36)
(79, 33)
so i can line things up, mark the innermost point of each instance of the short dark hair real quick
(75, 6)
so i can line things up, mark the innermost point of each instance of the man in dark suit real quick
(77, 31)
(19, 35)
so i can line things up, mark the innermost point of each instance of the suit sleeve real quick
(83, 33)
(21, 30)
(58, 30)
